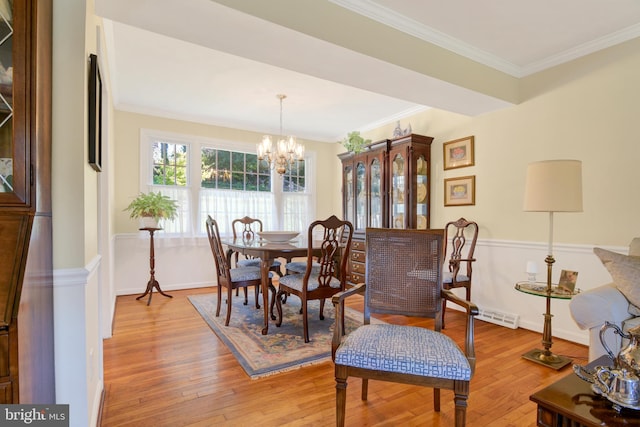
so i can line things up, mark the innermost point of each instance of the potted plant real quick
(151, 208)
(354, 142)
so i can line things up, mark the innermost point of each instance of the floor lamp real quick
(552, 186)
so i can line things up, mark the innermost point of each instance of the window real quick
(225, 180)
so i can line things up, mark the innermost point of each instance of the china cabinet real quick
(26, 295)
(386, 185)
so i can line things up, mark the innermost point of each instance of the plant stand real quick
(152, 283)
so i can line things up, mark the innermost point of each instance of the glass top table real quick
(540, 289)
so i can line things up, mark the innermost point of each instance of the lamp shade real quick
(554, 186)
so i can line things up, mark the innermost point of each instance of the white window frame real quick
(193, 219)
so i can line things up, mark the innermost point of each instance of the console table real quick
(570, 402)
(152, 283)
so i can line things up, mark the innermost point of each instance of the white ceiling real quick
(202, 61)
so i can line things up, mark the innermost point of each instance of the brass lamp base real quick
(547, 359)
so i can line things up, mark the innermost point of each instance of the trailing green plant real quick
(154, 205)
(354, 142)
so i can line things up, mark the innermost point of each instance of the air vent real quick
(499, 318)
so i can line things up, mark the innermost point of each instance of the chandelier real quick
(286, 151)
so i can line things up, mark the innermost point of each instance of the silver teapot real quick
(619, 385)
(629, 357)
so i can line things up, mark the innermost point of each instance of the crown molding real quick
(391, 18)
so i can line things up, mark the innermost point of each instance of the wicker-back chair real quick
(403, 277)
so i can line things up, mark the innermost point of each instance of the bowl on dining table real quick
(278, 236)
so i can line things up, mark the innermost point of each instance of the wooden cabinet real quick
(388, 186)
(26, 279)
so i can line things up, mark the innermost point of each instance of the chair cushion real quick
(295, 282)
(299, 266)
(447, 277)
(255, 262)
(404, 349)
(242, 274)
(625, 271)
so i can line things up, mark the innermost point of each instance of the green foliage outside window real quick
(231, 170)
(169, 164)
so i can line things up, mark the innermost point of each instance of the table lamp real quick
(552, 186)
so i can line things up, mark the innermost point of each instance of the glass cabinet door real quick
(6, 98)
(348, 193)
(398, 187)
(361, 198)
(375, 214)
(422, 193)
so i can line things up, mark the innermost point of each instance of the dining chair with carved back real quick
(232, 278)
(328, 240)
(247, 228)
(403, 278)
(462, 235)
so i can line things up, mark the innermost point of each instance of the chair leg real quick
(365, 389)
(219, 300)
(273, 300)
(257, 295)
(436, 399)
(341, 395)
(444, 307)
(461, 392)
(279, 307)
(246, 299)
(305, 321)
(322, 309)
(229, 305)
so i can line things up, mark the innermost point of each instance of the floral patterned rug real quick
(283, 348)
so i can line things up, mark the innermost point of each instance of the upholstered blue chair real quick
(233, 278)
(328, 240)
(403, 277)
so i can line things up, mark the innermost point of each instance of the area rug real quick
(283, 349)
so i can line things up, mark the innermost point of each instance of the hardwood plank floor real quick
(165, 367)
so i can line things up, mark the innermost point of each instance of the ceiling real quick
(204, 61)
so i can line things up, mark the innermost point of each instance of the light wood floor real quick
(165, 367)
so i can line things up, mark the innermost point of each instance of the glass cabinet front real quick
(6, 98)
(398, 165)
(376, 214)
(348, 193)
(361, 197)
(422, 185)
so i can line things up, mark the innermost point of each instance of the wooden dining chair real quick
(246, 228)
(403, 277)
(232, 278)
(458, 269)
(328, 240)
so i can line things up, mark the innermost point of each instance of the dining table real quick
(267, 251)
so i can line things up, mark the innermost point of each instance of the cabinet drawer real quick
(358, 256)
(356, 278)
(357, 245)
(358, 267)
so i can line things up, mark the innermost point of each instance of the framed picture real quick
(458, 153)
(460, 191)
(95, 114)
(568, 280)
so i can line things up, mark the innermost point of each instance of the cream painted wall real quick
(75, 198)
(592, 117)
(127, 159)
